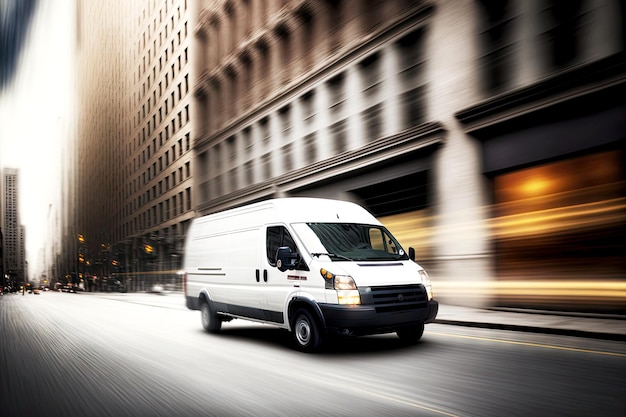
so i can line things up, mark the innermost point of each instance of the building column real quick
(392, 121)
(460, 192)
(528, 57)
(259, 148)
(299, 130)
(354, 105)
(321, 102)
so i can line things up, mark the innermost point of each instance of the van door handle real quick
(265, 275)
(257, 276)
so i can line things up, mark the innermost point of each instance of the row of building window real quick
(163, 34)
(244, 67)
(164, 185)
(168, 103)
(160, 213)
(164, 211)
(556, 34)
(320, 122)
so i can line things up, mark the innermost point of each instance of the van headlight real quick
(427, 285)
(347, 291)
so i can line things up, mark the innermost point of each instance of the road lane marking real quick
(513, 342)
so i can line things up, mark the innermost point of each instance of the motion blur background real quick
(489, 135)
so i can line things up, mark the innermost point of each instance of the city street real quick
(112, 354)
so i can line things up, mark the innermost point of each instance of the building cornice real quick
(424, 138)
(602, 79)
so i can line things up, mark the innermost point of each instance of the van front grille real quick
(392, 298)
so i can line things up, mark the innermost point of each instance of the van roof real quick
(300, 209)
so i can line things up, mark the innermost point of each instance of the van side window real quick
(278, 236)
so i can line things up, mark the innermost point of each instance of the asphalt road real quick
(147, 355)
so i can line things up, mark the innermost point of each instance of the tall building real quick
(13, 252)
(487, 135)
(133, 140)
(158, 153)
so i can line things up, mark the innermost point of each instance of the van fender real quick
(204, 294)
(300, 300)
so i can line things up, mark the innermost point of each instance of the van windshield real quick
(353, 241)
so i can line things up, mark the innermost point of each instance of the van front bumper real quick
(364, 319)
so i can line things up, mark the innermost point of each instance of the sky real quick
(35, 118)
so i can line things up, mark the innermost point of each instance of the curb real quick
(535, 329)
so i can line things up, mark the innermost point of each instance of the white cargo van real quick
(312, 266)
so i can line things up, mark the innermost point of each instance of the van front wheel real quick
(306, 332)
(210, 321)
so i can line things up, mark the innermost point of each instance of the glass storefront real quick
(563, 223)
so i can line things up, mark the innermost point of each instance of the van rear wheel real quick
(306, 332)
(210, 321)
(411, 334)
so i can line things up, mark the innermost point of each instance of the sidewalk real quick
(597, 326)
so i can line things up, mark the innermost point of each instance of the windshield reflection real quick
(359, 242)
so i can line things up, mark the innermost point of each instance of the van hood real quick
(377, 273)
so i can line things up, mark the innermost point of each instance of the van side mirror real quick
(286, 259)
(412, 254)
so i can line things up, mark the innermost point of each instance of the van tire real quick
(210, 321)
(411, 334)
(306, 332)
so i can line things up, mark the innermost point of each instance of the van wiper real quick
(318, 254)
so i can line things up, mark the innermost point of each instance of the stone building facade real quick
(488, 135)
(435, 115)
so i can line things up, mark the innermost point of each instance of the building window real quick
(308, 107)
(310, 148)
(266, 163)
(217, 183)
(335, 24)
(264, 65)
(336, 87)
(565, 24)
(496, 38)
(246, 80)
(232, 179)
(308, 39)
(285, 120)
(249, 174)
(551, 221)
(285, 50)
(373, 122)
(265, 131)
(234, 98)
(287, 153)
(412, 103)
(339, 136)
(371, 74)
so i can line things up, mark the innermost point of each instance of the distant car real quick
(68, 288)
(116, 285)
(157, 289)
(36, 291)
